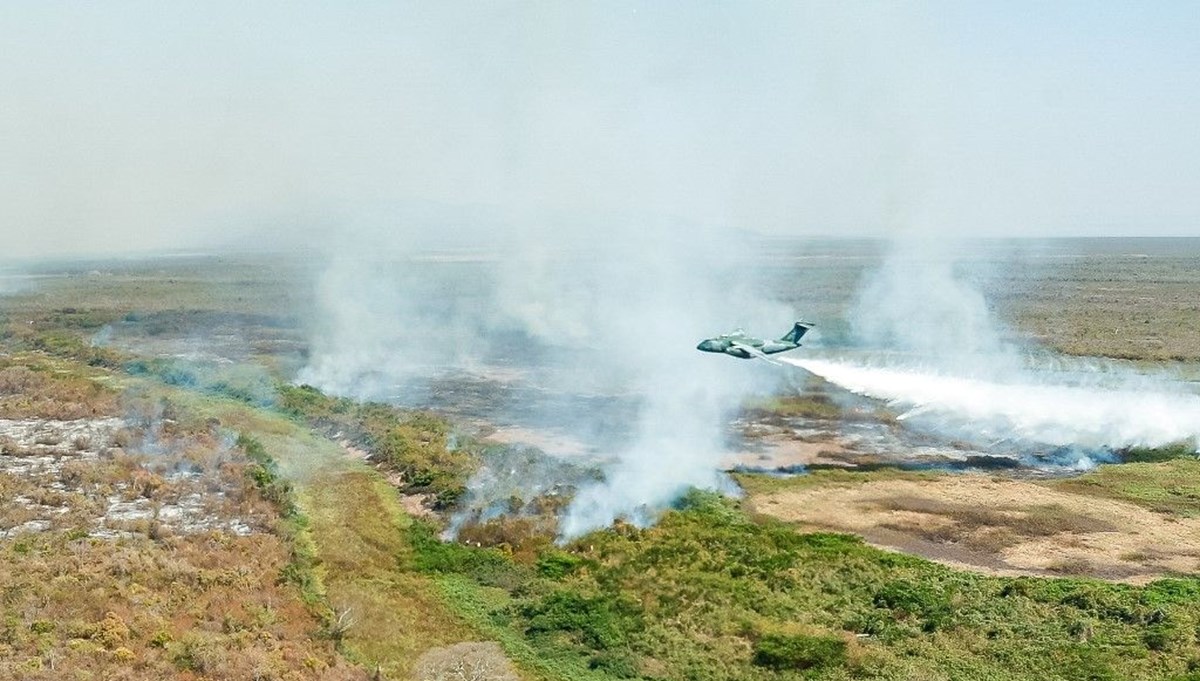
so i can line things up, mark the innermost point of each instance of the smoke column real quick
(613, 310)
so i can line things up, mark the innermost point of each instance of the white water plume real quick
(931, 347)
(1092, 410)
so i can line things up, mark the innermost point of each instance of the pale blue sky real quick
(167, 125)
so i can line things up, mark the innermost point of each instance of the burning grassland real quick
(353, 500)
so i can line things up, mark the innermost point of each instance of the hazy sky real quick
(130, 125)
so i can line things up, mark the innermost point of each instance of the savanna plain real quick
(175, 503)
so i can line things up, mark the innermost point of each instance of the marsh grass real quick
(756, 484)
(808, 405)
(1169, 487)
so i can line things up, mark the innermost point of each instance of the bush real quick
(42, 627)
(917, 599)
(264, 473)
(1159, 637)
(410, 443)
(799, 651)
(1178, 450)
(431, 554)
(557, 564)
(620, 664)
(600, 622)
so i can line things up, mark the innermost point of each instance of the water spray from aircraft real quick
(930, 346)
(1090, 409)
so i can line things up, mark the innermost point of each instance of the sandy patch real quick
(1000, 526)
(417, 505)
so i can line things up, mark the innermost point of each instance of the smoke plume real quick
(576, 319)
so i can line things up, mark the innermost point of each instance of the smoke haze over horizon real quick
(131, 126)
(613, 158)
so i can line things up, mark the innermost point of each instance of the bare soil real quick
(999, 526)
(782, 451)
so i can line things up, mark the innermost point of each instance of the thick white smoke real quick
(383, 319)
(614, 311)
(921, 302)
(932, 348)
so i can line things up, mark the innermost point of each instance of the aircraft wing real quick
(754, 352)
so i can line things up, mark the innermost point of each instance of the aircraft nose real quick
(706, 346)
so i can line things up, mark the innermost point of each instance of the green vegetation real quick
(799, 651)
(264, 473)
(711, 593)
(1179, 450)
(413, 444)
(246, 383)
(813, 406)
(759, 484)
(1170, 487)
(359, 532)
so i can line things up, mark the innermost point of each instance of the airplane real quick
(738, 344)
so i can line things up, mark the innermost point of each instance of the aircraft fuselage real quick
(738, 344)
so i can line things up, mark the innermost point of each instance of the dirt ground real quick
(999, 526)
(782, 452)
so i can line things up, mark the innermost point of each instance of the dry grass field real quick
(1135, 299)
(135, 543)
(999, 525)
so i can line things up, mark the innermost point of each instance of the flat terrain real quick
(172, 506)
(1123, 298)
(999, 525)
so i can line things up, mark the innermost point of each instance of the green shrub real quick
(1160, 637)
(411, 443)
(918, 599)
(42, 627)
(600, 622)
(160, 639)
(486, 566)
(556, 564)
(799, 651)
(263, 472)
(620, 664)
(1177, 450)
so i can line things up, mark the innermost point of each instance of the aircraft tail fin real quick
(796, 333)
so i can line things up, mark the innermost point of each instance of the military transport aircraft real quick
(738, 344)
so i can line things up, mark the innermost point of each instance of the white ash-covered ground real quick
(93, 477)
